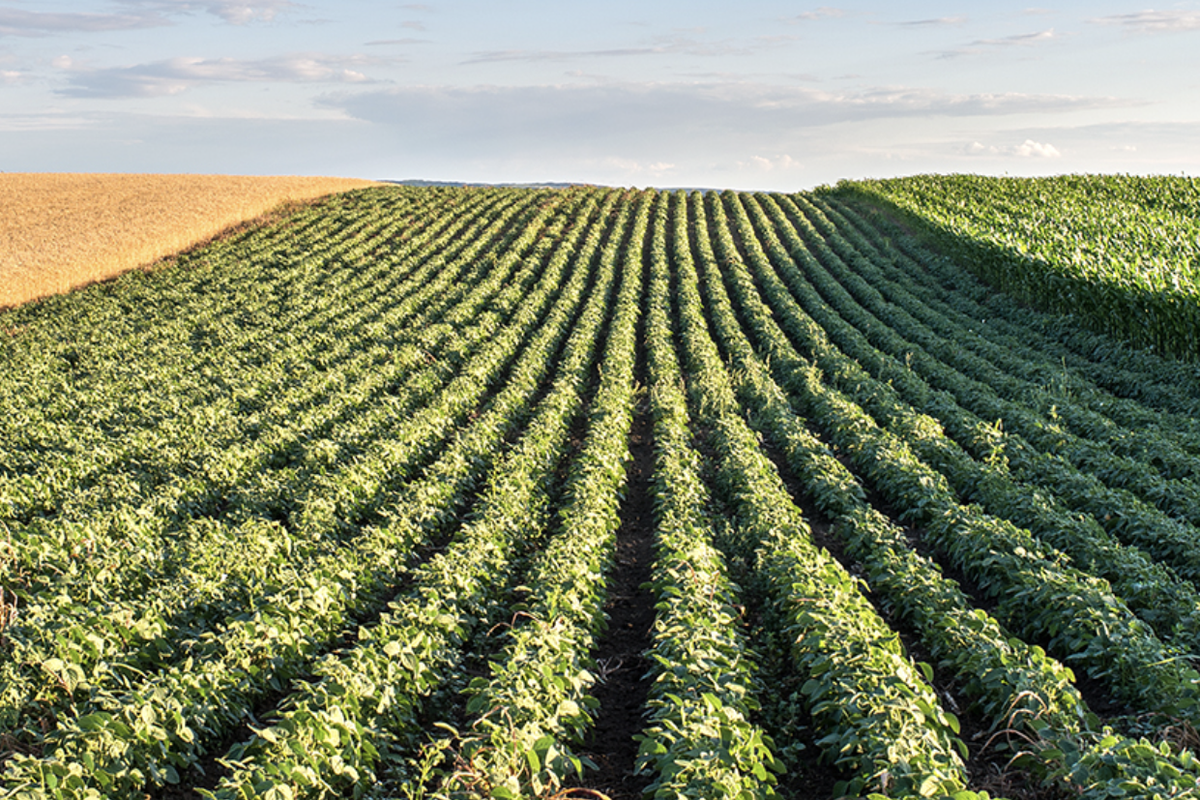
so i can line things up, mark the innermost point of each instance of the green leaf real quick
(930, 786)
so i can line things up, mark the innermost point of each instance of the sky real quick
(751, 95)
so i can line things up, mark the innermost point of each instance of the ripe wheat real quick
(60, 231)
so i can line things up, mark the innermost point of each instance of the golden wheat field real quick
(60, 231)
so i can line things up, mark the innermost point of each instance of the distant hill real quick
(546, 185)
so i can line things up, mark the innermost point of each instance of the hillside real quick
(587, 492)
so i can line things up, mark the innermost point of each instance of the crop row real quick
(361, 539)
(155, 629)
(1139, 380)
(531, 711)
(1115, 252)
(704, 673)
(879, 718)
(974, 383)
(335, 729)
(258, 650)
(1146, 586)
(1014, 684)
(152, 597)
(1149, 392)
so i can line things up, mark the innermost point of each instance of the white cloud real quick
(630, 168)
(241, 13)
(386, 42)
(1151, 21)
(770, 163)
(11, 77)
(17, 22)
(1015, 40)
(935, 22)
(48, 121)
(662, 46)
(680, 123)
(906, 101)
(163, 78)
(1146, 136)
(235, 12)
(1027, 149)
(1030, 148)
(1018, 40)
(140, 14)
(824, 12)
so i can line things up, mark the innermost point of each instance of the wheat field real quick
(60, 231)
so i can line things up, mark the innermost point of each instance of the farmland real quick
(60, 231)
(1121, 254)
(481, 492)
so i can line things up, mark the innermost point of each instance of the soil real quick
(808, 776)
(620, 654)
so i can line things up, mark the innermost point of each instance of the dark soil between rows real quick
(620, 655)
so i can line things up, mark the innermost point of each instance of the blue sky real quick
(755, 95)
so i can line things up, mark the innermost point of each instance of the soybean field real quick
(591, 493)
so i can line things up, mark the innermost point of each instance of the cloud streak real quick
(45, 121)
(406, 41)
(1027, 149)
(142, 14)
(1153, 21)
(663, 47)
(235, 12)
(241, 13)
(176, 75)
(1002, 42)
(18, 22)
(824, 12)
(669, 111)
(937, 22)
(1018, 40)
(770, 163)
